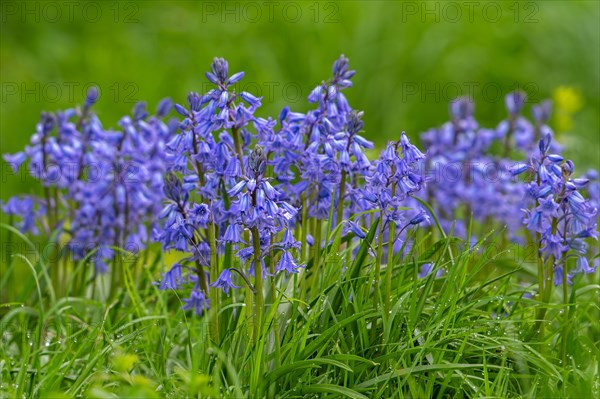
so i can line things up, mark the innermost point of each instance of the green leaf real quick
(327, 334)
(301, 365)
(420, 369)
(335, 389)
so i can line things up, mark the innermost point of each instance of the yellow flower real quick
(567, 101)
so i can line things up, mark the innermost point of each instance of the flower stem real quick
(238, 147)
(258, 285)
(303, 254)
(390, 260)
(565, 332)
(214, 275)
(565, 284)
(389, 270)
(376, 292)
(274, 303)
(340, 207)
(541, 313)
(317, 253)
(250, 293)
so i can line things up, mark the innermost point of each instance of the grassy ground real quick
(470, 332)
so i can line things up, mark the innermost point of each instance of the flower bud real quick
(91, 97)
(257, 161)
(514, 102)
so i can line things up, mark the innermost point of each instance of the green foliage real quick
(464, 334)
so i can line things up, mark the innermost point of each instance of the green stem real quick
(303, 250)
(541, 313)
(565, 285)
(565, 332)
(317, 256)
(340, 207)
(389, 270)
(238, 147)
(274, 303)
(249, 311)
(116, 266)
(55, 198)
(201, 277)
(214, 275)
(258, 285)
(311, 280)
(376, 292)
(390, 261)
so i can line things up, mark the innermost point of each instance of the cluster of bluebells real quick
(217, 192)
(470, 166)
(318, 152)
(259, 208)
(392, 181)
(559, 216)
(247, 185)
(101, 186)
(333, 161)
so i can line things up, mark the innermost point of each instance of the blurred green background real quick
(411, 59)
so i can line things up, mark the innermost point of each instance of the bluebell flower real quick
(287, 264)
(355, 229)
(536, 222)
(410, 152)
(233, 234)
(515, 101)
(173, 279)
(15, 160)
(461, 109)
(91, 97)
(197, 301)
(252, 100)
(288, 241)
(25, 209)
(519, 168)
(224, 281)
(164, 107)
(541, 113)
(419, 218)
(583, 266)
(558, 276)
(548, 207)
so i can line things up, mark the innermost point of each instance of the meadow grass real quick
(469, 332)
